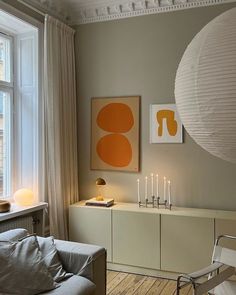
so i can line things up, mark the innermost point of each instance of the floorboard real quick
(120, 283)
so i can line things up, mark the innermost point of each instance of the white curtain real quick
(61, 166)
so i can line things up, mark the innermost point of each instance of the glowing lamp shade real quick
(24, 197)
(205, 87)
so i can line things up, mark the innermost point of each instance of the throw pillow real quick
(24, 271)
(51, 259)
(13, 234)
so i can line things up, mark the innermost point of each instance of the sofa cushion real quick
(13, 234)
(24, 271)
(75, 285)
(51, 259)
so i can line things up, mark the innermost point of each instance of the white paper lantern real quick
(205, 87)
(24, 197)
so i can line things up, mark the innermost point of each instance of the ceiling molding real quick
(126, 9)
(90, 11)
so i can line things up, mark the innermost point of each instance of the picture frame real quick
(165, 124)
(115, 133)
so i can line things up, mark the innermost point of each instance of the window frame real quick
(10, 37)
(8, 87)
(38, 156)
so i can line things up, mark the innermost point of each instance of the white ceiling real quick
(87, 11)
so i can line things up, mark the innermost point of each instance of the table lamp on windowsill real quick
(100, 182)
(24, 197)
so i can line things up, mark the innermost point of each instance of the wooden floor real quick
(131, 284)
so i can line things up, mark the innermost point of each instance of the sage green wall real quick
(140, 56)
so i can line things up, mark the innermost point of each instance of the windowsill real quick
(16, 210)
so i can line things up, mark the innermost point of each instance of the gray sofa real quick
(86, 262)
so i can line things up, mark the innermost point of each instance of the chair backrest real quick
(224, 255)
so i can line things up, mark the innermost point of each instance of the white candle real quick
(138, 191)
(169, 194)
(164, 188)
(157, 183)
(152, 185)
(146, 187)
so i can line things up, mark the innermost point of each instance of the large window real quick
(19, 102)
(6, 98)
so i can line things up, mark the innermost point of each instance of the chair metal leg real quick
(178, 286)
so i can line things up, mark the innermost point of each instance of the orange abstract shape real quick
(115, 117)
(115, 150)
(170, 122)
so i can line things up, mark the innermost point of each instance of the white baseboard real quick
(142, 271)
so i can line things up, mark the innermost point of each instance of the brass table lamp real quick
(100, 182)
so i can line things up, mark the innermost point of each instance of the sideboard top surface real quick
(178, 211)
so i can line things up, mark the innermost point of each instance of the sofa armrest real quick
(86, 260)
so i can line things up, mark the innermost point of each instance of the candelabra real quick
(155, 203)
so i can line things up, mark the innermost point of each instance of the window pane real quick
(5, 132)
(5, 59)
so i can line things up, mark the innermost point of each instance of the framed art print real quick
(165, 124)
(115, 133)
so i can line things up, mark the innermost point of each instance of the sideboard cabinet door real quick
(91, 226)
(186, 243)
(136, 239)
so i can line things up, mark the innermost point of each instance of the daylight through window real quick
(6, 94)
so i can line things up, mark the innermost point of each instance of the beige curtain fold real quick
(61, 165)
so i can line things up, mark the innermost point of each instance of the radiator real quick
(18, 222)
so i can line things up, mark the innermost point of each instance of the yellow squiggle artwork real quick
(170, 122)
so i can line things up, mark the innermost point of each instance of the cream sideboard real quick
(150, 240)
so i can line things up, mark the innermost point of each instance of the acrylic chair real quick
(219, 281)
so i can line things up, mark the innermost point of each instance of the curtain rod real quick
(32, 7)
